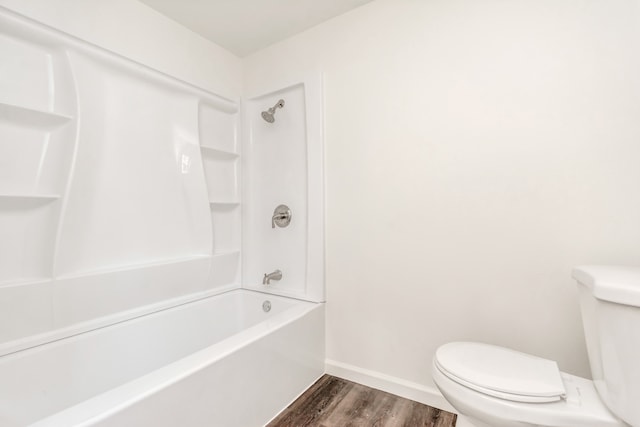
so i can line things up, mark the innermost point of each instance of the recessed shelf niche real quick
(222, 176)
(226, 269)
(225, 219)
(218, 126)
(27, 227)
(37, 108)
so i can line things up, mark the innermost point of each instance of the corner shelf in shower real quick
(223, 204)
(225, 254)
(137, 266)
(24, 281)
(29, 197)
(218, 153)
(30, 117)
(225, 223)
(218, 136)
(37, 138)
(225, 267)
(221, 174)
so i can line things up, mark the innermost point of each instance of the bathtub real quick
(220, 361)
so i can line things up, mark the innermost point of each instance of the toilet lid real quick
(501, 372)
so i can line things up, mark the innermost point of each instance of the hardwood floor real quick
(334, 402)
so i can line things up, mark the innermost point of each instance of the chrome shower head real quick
(269, 115)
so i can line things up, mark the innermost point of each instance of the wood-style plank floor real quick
(334, 402)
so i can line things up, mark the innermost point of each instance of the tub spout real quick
(276, 275)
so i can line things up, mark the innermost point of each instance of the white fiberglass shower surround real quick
(137, 226)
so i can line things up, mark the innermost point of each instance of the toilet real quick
(499, 387)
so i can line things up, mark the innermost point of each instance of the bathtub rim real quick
(103, 405)
(34, 341)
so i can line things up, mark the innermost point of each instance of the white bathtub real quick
(220, 361)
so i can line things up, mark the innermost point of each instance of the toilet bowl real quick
(490, 399)
(498, 387)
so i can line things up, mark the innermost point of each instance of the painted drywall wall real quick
(475, 152)
(136, 31)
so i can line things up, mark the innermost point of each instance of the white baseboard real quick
(407, 389)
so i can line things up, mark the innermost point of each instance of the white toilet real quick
(498, 387)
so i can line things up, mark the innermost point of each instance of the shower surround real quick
(130, 198)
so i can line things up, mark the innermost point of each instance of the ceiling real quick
(245, 26)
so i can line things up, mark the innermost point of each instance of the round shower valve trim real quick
(281, 216)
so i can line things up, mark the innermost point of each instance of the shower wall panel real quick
(137, 170)
(119, 189)
(283, 165)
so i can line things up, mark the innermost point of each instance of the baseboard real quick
(407, 389)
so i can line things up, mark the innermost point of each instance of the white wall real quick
(138, 32)
(476, 151)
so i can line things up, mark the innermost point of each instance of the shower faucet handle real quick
(281, 216)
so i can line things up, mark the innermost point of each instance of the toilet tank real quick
(610, 305)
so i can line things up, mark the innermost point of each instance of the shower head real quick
(269, 115)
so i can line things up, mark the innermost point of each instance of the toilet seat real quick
(500, 372)
(581, 408)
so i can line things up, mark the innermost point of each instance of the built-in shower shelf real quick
(138, 266)
(22, 281)
(226, 254)
(224, 204)
(220, 154)
(29, 117)
(29, 198)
